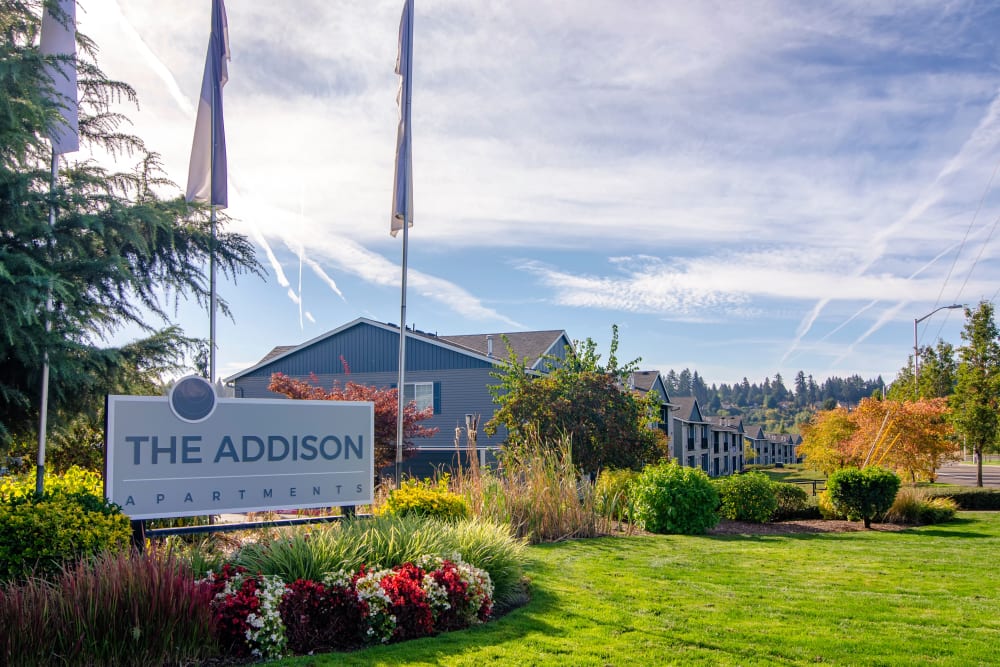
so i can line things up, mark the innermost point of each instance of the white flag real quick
(402, 187)
(207, 170)
(60, 39)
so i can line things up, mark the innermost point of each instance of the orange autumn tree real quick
(924, 441)
(911, 437)
(386, 402)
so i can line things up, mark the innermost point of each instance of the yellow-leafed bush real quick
(74, 480)
(826, 508)
(425, 498)
(41, 533)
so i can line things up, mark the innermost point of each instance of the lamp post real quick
(916, 349)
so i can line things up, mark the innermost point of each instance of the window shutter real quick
(437, 398)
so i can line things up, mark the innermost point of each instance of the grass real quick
(795, 472)
(926, 595)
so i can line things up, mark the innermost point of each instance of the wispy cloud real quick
(806, 164)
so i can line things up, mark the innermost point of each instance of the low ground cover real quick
(912, 596)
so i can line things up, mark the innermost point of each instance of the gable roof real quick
(646, 381)
(528, 341)
(688, 410)
(276, 351)
(754, 431)
(530, 345)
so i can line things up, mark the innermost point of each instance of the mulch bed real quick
(799, 526)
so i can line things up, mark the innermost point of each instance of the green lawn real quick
(794, 473)
(927, 595)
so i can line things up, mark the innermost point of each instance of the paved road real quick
(965, 474)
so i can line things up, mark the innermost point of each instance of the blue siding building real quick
(449, 373)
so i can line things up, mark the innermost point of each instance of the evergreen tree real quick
(684, 383)
(123, 245)
(671, 382)
(801, 390)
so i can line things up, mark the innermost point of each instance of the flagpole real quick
(58, 38)
(43, 410)
(402, 360)
(211, 257)
(406, 40)
(207, 178)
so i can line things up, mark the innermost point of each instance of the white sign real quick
(193, 453)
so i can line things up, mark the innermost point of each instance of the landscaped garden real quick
(444, 575)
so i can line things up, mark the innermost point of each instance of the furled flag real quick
(402, 187)
(207, 171)
(59, 39)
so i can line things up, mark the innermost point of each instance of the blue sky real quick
(743, 187)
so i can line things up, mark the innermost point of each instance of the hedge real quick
(971, 499)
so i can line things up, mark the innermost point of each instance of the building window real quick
(422, 393)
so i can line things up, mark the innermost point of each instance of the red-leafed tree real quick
(386, 402)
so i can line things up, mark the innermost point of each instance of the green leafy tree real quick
(975, 405)
(938, 375)
(579, 397)
(124, 246)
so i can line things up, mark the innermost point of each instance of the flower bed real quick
(259, 616)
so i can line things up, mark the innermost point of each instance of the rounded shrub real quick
(425, 498)
(863, 494)
(793, 501)
(669, 498)
(39, 534)
(747, 497)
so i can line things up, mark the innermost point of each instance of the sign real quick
(193, 453)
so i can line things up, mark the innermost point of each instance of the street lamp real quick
(916, 349)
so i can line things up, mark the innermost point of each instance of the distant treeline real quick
(752, 399)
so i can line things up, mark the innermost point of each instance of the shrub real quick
(971, 499)
(917, 506)
(246, 613)
(612, 493)
(323, 616)
(747, 497)
(114, 609)
(669, 498)
(425, 498)
(863, 494)
(74, 480)
(826, 507)
(459, 594)
(793, 501)
(38, 534)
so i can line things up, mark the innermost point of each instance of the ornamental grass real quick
(114, 609)
(538, 491)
